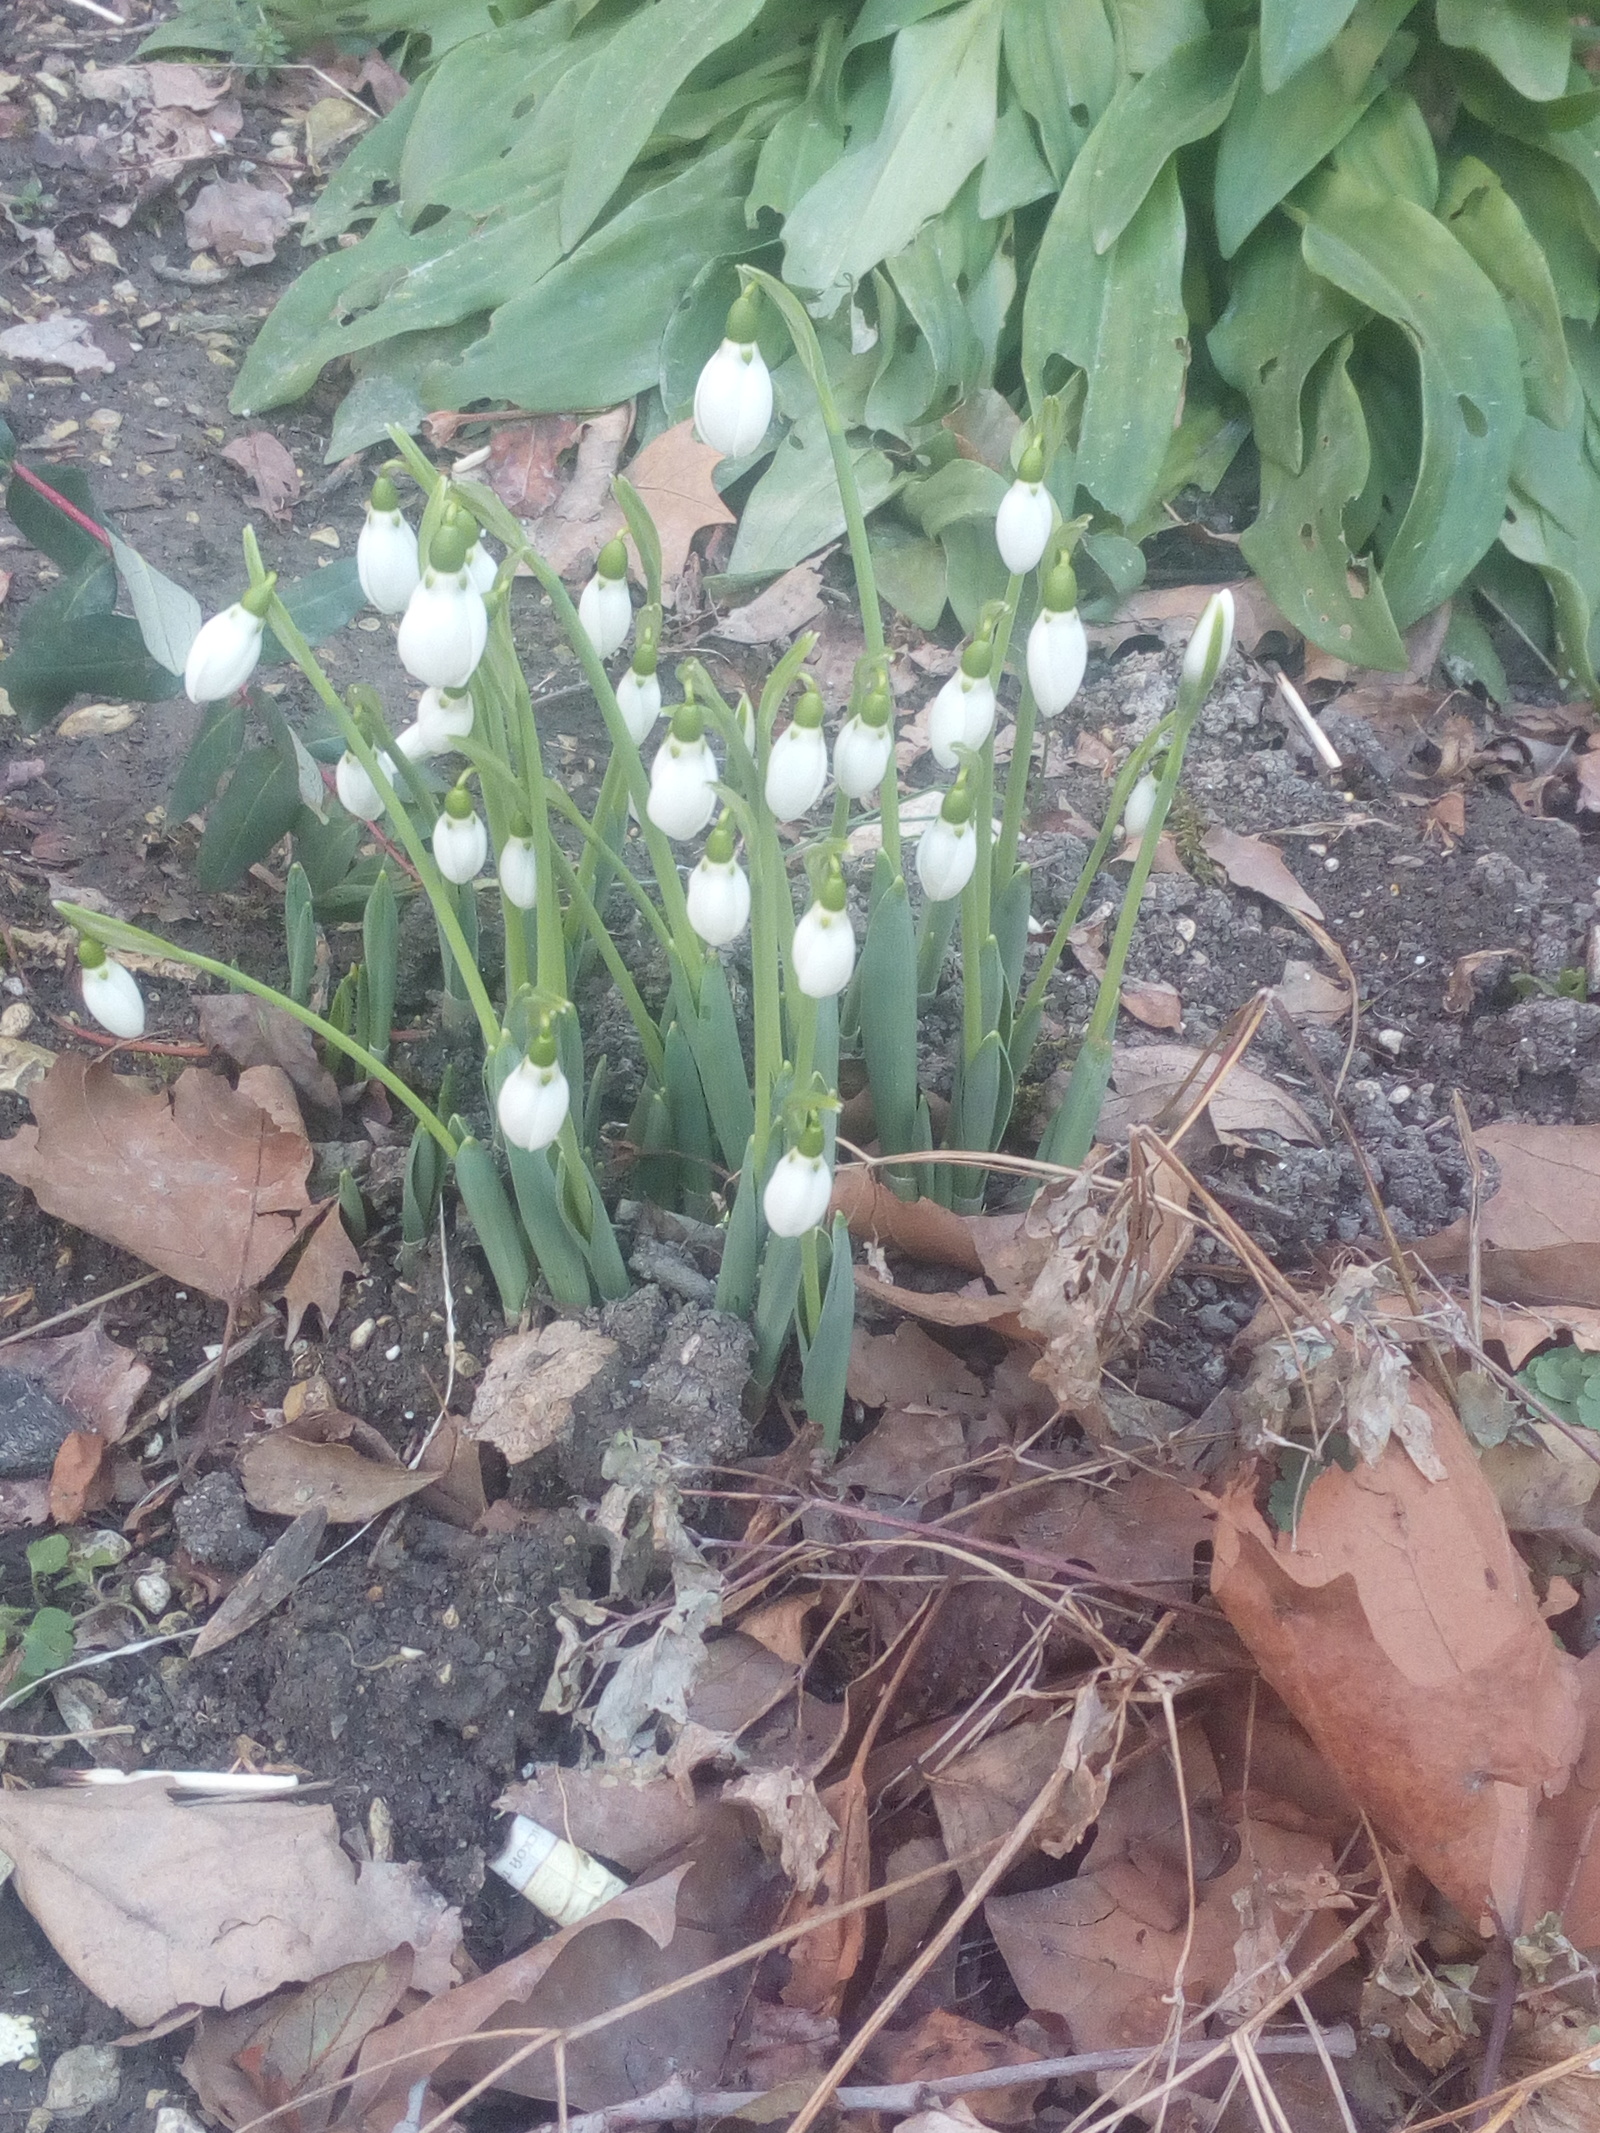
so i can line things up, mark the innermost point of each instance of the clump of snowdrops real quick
(464, 795)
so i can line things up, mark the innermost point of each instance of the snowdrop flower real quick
(800, 1187)
(1057, 647)
(1023, 524)
(386, 551)
(797, 768)
(1141, 805)
(604, 607)
(746, 713)
(445, 626)
(519, 868)
(719, 890)
(947, 852)
(445, 716)
(534, 1098)
(733, 400)
(460, 841)
(1211, 643)
(639, 693)
(963, 711)
(825, 941)
(417, 743)
(225, 650)
(357, 793)
(481, 566)
(865, 745)
(683, 793)
(110, 991)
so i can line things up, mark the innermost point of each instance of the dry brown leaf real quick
(454, 1467)
(1541, 1484)
(266, 1584)
(252, 1033)
(153, 1906)
(969, 1306)
(24, 1503)
(525, 1400)
(571, 532)
(822, 1965)
(1143, 1532)
(524, 465)
(1564, 1869)
(907, 1368)
(1520, 1328)
(1310, 996)
(1445, 823)
(796, 1827)
(320, 1272)
(200, 1186)
(943, 2045)
(86, 1371)
(1155, 1004)
(271, 467)
(58, 342)
(633, 1823)
(1170, 612)
(1252, 863)
(905, 1458)
(1399, 1626)
(239, 222)
(285, 1476)
(1540, 1229)
(786, 606)
(80, 1479)
(1147, 1078)
(1461, 990)
(673, 477)
(922, 1229)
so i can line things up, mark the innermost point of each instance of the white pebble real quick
(1390, 1041)
(392, 1355)
(1402, 1095)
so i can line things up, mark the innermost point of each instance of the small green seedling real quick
(1568, 1382)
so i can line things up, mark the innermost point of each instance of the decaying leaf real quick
(21, 1065)
(1155, 1004)
(56, 342)
(277, 479)
(1461, 988)
(1540, 1230)
(796, 1826)
(238, 221)
(1148, 1078)
(570, 532)
(673, 477)
(525, 1400)
(153, 1905)
(88, 1372)
(1310, 996)
(1521, 1328)
(1252, 863)
(907, 1368)
(317, 1281)
(80, 1479)
(266, 1584)
(1399, 1626)
(944, 2044)
(524, 466)
(200, 1185)
(286, 1474)
(92, 722)
(786, 606)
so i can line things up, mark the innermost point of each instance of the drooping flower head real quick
(534, 1098)
(226, 649)
(718, 895)
(797, 768)
(1058, 650)
(962, 717)
(639, 690)
(604, 607)
(519, 867)
(801, 1185)
(386, 551)
(110, 990)
(733, 399)
(825, 940)
(683, 792)
(1026, 517)
(460, 840)
(865, 746)
(445, 626)
(947, 851)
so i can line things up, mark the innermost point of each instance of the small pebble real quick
(16, 1019)
(1402, 1095)
(19, 2040)
(153, 1593)
(392, 1355)
(362, 1336)
(83, 2080)
(1390, 1041)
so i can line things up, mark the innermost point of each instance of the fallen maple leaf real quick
(1540, 1230)
(523, 467)
(1252, 863)
(320, 1272)
(1147, 1078)
(277, 479)
(237, 221)
(571, 532)
(153, 1906)
(673, 477)
(251, 1033)
(200, 1185)
(1155, 1004)
(259, 2059)
(787, 605)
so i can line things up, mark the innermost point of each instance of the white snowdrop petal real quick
(223, 656)
(606, 613)
(519, 873)
(1215, 617)
(947, 853)
(718, 900)
(460, 846)
(1022, 525)
(111, 994)
(443, 631)
(444, 718)
(824, 952)
(733, 400)
(1058, 651)
(979, 704)
(639, 701)
(481, 566)
(357, 793)
(1141, 804)
(860, 757)
(683, 797)
(797, 1194)
(797, 770)
(386, 560)
(532, 1105)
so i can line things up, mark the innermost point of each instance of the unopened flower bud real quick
(947, 852)
(1026, 517)
(1212, 641)
(386, 551)
(639, 694)
(519, 869)
(800, 1187)
(1058, 650)
(460, 841)
(445, 716)
(865, 747)
(110, 991)
(226, 649)
(534, 1098)
(962, 717)
(1141, 805)
(825, 941)
(604, 607)
(733, 399)
(797, 768)
(683, 794)
(718, 894)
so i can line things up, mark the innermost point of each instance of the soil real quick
(409, 1670)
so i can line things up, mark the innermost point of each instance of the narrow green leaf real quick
(1486, 221)
(777, 1293)
(1014, 172)
(48, 529)
(380, 956)
(1529, 41)
(1184, 99)
(713, 1036)
(1393, 256)
(213, 752)
(1272, 141)
(688, 1122)
(1061, 58)
(490, 1212)
(1281, 319)
(1297, 545)
(741, 1250)
(1150, 31)
(169, 616)
(600, 1249)
(1012, 906)
(300, 936)
(827, 1363)
(1293, 32)
(651, 54)
(889, 1018)
(643, 528)
(257, 808)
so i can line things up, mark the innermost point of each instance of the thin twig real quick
(198, 1380)
(57, 1740)
(1469, 1148)
(1304, 719)
(81, 1666)
(80, 1310)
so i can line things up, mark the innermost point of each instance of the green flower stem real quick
(501, 812)
(115, 933)
(569, 808)
(1017, 774)
(807, 347)
(612, 801)
(621, 977)
(549, 933)
(974, 932)
(803, 1022)
(765, 967)
(404, 828)
(813, 1282)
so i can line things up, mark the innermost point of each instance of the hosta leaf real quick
(1061, 58)
(807, 141)
(373, 161)
(794, 509)
(937, 129)
(926, 279)
(1390, 148)
(1485, 219)
(1280, 320)
(961, 488)
(1554, 202)
(1297, 545)
(1293, 32)
(650, 55)
(1185, 98)
(1272, 141)
(1014, 172)
(1120, 317)
(1403, 262)
(1529, 41)
(589, 333)
(1150, 31)
(1552, 522)
(484, 100)
(911, 573)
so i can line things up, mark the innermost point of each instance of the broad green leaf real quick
(1554, 202)
(1529, 41)
(1293, 32)
(1297, 545)
(318, 605)
(794, 509)
(387, 385)
(1485, 219)
(68, 643)
(1271, 141)
(213, 752)
(50, 530)
(960, 489)
(373, 161)
(1183, 99)
(1280, 320)
(1390, 148)
(1469, 655)
(1150, 31)
(1120, 317)
(926, 276)
(1199, 452)
(1404, 264)
(910, 572)
(882, 18)
(938, 128)
(1109, 568)
(1014, 172)
(483, 101)
(650, 55)
(1552, 522)
(1061, 58)
(589, 333)
(807, 141)
(169, 616)
(974, 572)
(258, 807)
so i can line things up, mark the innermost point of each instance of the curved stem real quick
(569, 807)
(1017, 773)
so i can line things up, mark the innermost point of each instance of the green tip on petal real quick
(90, 953)
(458, 803)
(450, 544)
(1061, 590)
(744, 320)
(877, 710)
(644, 661)
(957, 806)
(719, 845)
(1031, 465)
(612, 561)
(522, 829)
(256, 599)
(385, 496)
(810, 1143)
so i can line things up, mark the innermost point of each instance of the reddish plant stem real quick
(53, 496)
